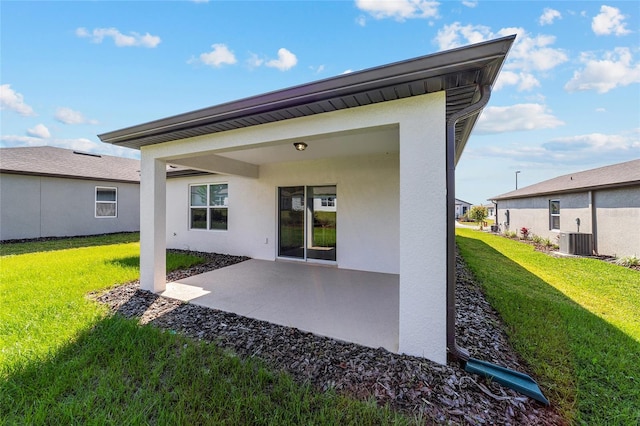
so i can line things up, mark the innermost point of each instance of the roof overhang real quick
(460, 72)
(513, 195)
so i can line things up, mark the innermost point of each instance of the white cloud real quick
(121, 40)
(14, 101)
(520, 117)
(525, 81)
(528, 53)
(317, 70)
(548, 16)
(579, 150)
(69, 116)
(399, 9)
(596, 143)
(533, 53)
(254, 61)
(286, 60)
(470, 3)
(39, 131)
(7, 141)
(220, 55)
(361, 20)
(615, 69)
(456, 35)
(609, 21)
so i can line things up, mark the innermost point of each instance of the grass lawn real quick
(575, 321)
(65, 360)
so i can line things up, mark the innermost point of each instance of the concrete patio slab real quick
(354, 306)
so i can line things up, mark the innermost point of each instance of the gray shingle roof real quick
(621, 174)
(60, 162)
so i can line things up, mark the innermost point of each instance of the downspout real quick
(454, 350)
(594, 220)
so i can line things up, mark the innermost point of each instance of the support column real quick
(153, 205)
(423, 234)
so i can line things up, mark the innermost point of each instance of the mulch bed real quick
(430, 392)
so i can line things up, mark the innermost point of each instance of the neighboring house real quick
(491, 210)
(383, 141)
(56, 192)
(462, 207)
(604, 202)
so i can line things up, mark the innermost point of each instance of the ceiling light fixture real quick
(300, 146)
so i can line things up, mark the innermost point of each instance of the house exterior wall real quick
(36, 206)
(618, 221)
(612, 215)
(365, 241)
(422, 217)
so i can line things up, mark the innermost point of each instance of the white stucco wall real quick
(367, 216)
(420, 230)
(618, 221)
(533, 214)
(34, 207)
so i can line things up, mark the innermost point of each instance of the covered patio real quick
(385, 140)
(354, 306)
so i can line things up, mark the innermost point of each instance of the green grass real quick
(65, 360)
(575, 321)
(64, 243)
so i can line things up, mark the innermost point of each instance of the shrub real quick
(537, 239)
(628, 261)
(525, 233)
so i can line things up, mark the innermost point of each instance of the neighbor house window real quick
(554, 214)
(106, 202)
(208, 206)
(328, 202)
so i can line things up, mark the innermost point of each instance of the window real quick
(328, 201)
(554, 214)
(208, 206)
(106, 202)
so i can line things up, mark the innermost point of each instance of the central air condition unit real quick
(576, 243)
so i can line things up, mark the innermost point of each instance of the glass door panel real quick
(321, 222)
(291, 221)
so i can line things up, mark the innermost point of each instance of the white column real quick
(153, 226)
(423, 245)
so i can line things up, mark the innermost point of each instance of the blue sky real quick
(568, 98)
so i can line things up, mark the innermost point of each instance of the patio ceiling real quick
(460, 72)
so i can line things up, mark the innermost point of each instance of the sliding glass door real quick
(307, 222)
(291, 218)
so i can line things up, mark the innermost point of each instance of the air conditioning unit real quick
(576, 243)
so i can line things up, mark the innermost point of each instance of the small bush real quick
(537, 239)
(525, 233)
(511, 234)
(628, 261)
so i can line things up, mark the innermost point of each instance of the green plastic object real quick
(509, 378)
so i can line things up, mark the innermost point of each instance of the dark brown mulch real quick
(430, 392)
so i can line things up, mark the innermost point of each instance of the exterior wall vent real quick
(576, 243)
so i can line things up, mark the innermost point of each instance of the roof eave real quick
(483, 59)
(566, 191)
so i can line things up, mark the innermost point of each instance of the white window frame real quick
(208, 207)
(98, 202)
(553, 215)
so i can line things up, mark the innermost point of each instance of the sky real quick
(567, 98)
